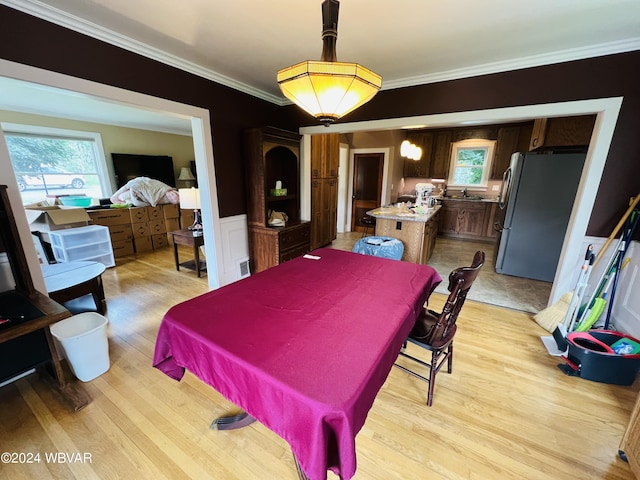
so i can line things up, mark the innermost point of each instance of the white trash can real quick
(84, 340)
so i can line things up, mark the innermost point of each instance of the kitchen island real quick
(417, 231)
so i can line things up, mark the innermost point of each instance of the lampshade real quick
(328, 89)
(185, 174)
(189, 198)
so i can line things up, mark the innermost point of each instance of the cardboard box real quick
(155, 213)
(110, 216)
(170, 210)
(159, 241)
(122, 248)
(139, 214)
(46, 219)
(157, 226)
(143, 244)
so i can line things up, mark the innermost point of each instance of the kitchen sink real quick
(468, 197)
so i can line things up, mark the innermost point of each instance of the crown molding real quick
(64, 19)
(560, 56)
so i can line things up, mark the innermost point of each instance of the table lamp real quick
(190, 200)
(186, 176)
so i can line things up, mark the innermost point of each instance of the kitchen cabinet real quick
(417, 235)
(441, 155)
(422, 167)
(272, 155)
(562, 131)
(325, 155)
(506, 145)
(325, 160)
(467, 219)
(324, 201)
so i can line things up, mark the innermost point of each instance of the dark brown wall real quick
(28, 40)
(31, 41)
(609, 76)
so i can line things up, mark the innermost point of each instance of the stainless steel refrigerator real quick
(538, 193)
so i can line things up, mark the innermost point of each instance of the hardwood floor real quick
(506, 412)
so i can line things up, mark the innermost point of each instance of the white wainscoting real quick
(235, 247)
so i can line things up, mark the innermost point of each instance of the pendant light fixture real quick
(328, 89)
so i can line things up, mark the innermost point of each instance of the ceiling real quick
(242, 43)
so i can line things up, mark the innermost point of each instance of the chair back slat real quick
(460, 281)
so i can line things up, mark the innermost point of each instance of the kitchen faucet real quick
(464, 192)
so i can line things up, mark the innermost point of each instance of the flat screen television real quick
(127, 166)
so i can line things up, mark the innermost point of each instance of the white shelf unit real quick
(91, 243)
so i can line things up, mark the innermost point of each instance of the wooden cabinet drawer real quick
(296, 236)
(292, 253)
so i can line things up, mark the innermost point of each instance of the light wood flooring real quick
(506, 412)
(501, 290)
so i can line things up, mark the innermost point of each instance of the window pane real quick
(53, 166)
(468, 175)
(467, 156)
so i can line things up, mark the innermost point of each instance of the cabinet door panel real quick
(506, 145)
(441, 155)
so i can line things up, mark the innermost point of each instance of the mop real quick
(550, 317)
(556, 344)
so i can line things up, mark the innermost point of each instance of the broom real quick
(552, 316)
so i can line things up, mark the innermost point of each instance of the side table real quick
(69, 280)
(186, 237)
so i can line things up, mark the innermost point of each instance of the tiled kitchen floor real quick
(490, 287)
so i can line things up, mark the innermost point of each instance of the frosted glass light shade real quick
(328, 90)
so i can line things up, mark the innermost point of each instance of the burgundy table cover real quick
(303, 347)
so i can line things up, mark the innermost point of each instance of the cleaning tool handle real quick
(589, 256)
(622, 221)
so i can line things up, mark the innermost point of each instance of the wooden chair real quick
(368, 222)
(435, 331)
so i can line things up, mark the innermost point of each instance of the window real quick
(470, 163)
(48, 161)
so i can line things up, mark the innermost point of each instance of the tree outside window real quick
(470, 163)
(47, 165)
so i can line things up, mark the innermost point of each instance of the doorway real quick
(367, 186)
(201, 134)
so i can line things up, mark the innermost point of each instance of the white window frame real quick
(476, 144)
(94, 137)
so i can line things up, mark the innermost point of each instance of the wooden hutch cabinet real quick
(272, 155)
(325, 160)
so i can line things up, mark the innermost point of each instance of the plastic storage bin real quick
(84, 340)
(91, 243)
